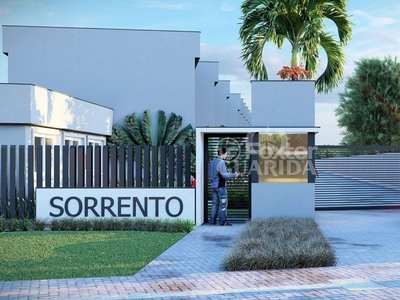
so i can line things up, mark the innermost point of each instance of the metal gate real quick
(354, 177)
(237, 161)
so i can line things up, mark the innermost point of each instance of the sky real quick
(376, 27)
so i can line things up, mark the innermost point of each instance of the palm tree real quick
(301, 22)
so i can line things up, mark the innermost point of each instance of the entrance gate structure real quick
(281, 180)
(281, 150)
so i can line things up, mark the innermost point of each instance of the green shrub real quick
(13, 224)
(179, 226)
(68, 224)
(111, 224)
(2, 223)
(140, 225)
(39, 224)
(97, 224)
(83, 224)
(279, 243)
(25, 224)
(127, 224)
(55, 225)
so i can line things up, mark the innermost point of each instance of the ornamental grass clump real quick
(279, 243)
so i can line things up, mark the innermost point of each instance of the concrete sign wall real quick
(117, 203)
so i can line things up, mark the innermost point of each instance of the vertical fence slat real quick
(254, 138)
(187, 166)
(72, 166)
(89, 166)
(13, 186)
(154, 167)
(39, 165)
(56, 165)
(31, 189)
(121, 165)
(97, 166)
(113, 167)
(65, 163)
(106, 166)
(22, 203)
(47, 159)
(163, 167)
(146, 166)
(130, 161)
(80, 168)
(179, 166)
(171, 166)
(138, 166)
(4, 180)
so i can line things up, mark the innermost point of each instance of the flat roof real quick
(260, 129)
(94, 28)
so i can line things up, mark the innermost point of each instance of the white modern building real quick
(72, 85)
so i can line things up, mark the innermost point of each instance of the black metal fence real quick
(349, 177)
(356, 177)
(23, 168)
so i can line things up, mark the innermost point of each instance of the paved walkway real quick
(366, 244)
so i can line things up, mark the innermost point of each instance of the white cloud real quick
(3, 11)
(375, 21)
(228, 58)
(226, 6)
(162, 5)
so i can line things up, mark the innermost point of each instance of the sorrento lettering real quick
(119, 207)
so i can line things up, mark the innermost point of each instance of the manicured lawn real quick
(74, 254)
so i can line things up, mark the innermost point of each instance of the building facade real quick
(109, 73)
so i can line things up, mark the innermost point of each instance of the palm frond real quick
(120, 136)
(146, 127)
(182, 137)
(337, 14)
(173, 125)
(161, 127)
(333, 73)
(134, 127)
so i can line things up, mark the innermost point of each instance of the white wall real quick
(233, 109)
(222, 94)
(34, 105)
(282, 200)
(127, 70)
(15, 135)
(244, 119)
(283, 103)
(206, 76)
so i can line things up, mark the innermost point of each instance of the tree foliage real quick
(301, 23)
(369, 107)
(169, 132)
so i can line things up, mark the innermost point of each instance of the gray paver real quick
(365, 243)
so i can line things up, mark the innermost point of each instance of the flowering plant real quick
(295, 73)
